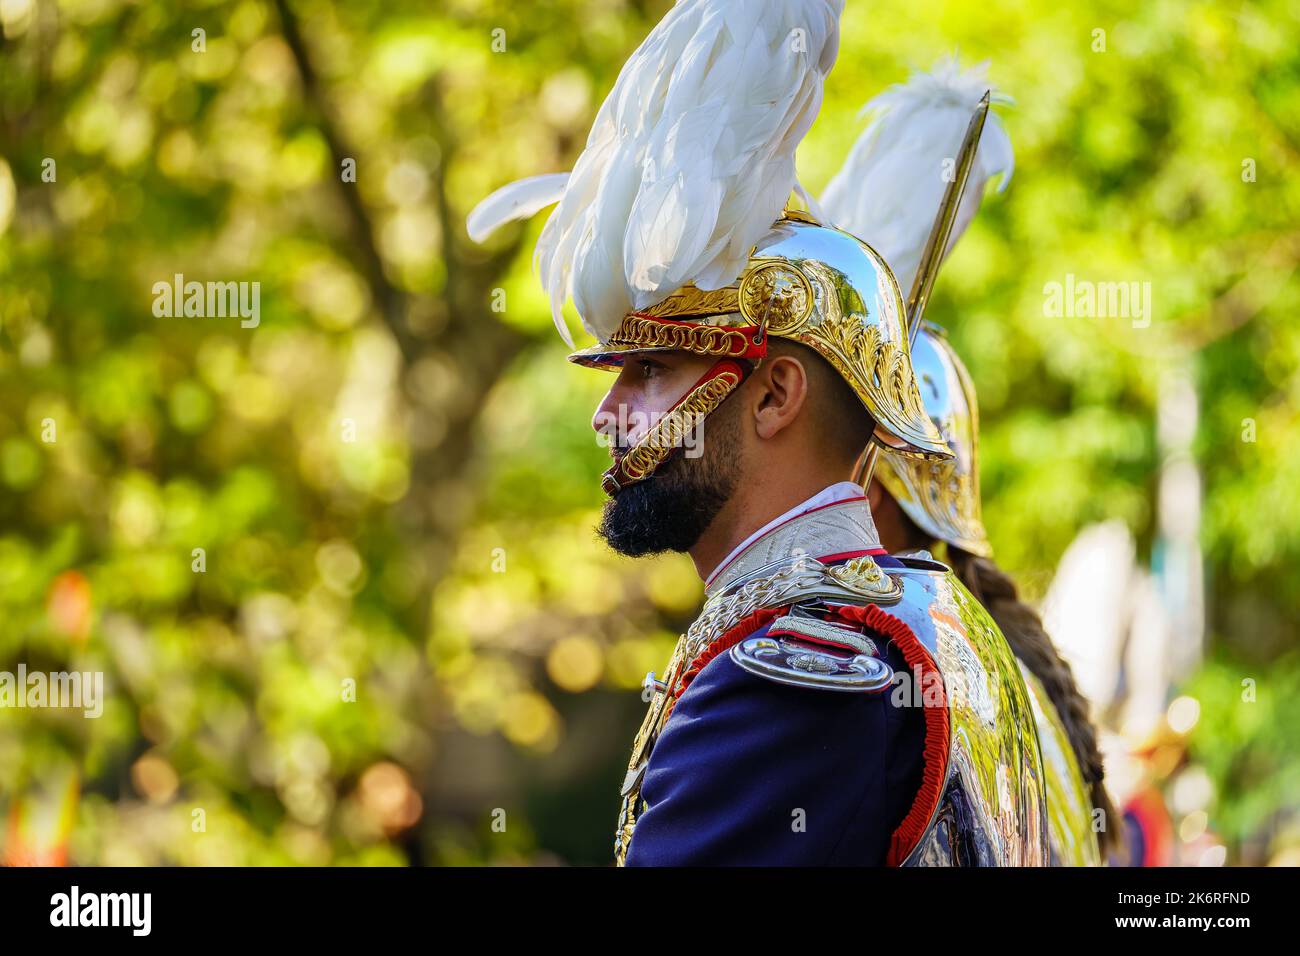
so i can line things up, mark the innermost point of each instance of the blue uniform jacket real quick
(750, 772)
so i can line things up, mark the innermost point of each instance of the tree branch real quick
(393, 302)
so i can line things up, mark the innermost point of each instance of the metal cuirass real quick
(992, 802)
(993, 811)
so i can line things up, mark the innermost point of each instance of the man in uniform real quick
(830, 705)
(921, 505)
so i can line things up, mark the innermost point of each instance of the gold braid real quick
(651, 450)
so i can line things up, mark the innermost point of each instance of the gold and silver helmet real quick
(891, 182)
(811, 284)
(672, 231)
(942, 497)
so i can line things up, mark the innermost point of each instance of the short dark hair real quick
(843, 422)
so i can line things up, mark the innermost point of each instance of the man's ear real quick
(781, 395)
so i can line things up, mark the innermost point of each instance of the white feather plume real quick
(691, 158)
(521, 199)
(890, 187)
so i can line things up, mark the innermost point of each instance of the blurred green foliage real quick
(393, 486)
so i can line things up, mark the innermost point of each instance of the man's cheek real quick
(633, 424)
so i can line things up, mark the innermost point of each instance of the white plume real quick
(890, 187)
(521, 199)
(691, 158)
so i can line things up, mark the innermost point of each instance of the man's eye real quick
(650, 369)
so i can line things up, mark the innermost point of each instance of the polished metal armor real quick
(992, 808)
(943, 499)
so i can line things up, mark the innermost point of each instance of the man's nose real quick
(606, 419)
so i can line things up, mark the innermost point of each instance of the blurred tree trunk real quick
(465, 334)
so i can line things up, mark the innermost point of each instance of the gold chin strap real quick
(655, 447)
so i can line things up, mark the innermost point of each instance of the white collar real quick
(831, 494)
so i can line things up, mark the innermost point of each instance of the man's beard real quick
(671, 509)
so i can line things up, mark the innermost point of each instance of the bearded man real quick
(831, 705)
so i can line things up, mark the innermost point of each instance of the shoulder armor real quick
(982, 799)
(807, 652)
(991, 808)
